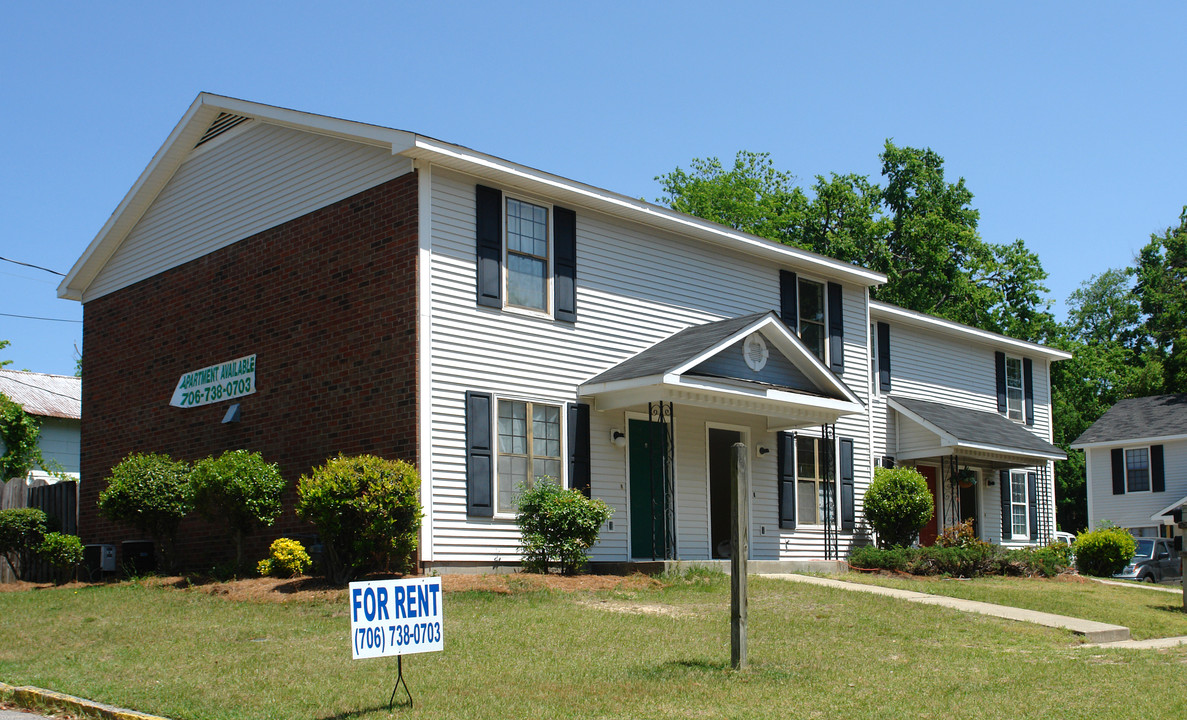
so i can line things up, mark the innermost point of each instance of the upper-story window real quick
(527, 255)
(1014, 392)
(813, 331)
(1137, 469)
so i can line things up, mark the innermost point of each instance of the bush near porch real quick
(958, 553)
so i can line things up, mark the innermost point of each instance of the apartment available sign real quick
(225, 381)
(396, 617)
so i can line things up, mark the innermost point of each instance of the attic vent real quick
(755, 352)
(221, 124)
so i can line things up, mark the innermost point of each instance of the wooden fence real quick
(58, 500)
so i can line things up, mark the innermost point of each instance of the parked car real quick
(1154, 561)
(1063, 537)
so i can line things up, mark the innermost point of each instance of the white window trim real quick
(1021, 419)
(547, 310)
(500, 513)
(1149, 475)
(799, 314)
(1014, 475)
(836, 482)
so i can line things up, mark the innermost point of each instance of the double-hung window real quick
(811, 489)
(1019, 513)
(1014, 391)
(1137, 469)
(529, 448)
(813, 331)
(527, 255)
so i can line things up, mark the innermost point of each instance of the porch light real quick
(617, 438)
(763, 450)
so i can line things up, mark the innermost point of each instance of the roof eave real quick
(924, 320)
(1127, 441)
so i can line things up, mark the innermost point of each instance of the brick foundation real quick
(328, 304)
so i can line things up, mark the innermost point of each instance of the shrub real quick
(152, 494)
(21, 533)
(897, 505)
(63, 552)
(1104, 551)
(288, 559)
(959, 535)
(239, 488)
(869, 557)
(558, 526)
(367, 511)
(1047, 561)
(19, 432)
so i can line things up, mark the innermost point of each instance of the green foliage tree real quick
(240, 489)
(19, 434)
(4, 344)
(150, 492)
(22, 531)
(366, 510)
(898, 504)
(1162, 287)
(64, 552)
(558, 526)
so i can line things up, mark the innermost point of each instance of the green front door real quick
(649, 502)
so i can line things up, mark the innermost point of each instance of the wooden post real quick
(739, 553)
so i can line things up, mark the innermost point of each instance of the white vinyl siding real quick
(635, 286)
(259, 177)
(1133, 510)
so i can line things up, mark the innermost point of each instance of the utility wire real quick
(34, 317)
(35, 267)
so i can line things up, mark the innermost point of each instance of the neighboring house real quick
(1135, 459)
(56, 402)
(303, 286)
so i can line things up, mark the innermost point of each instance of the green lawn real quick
(657, 653)
(1147, 613)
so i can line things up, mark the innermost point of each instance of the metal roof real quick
(57, 396)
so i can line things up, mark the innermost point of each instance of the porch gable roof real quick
(976, 433)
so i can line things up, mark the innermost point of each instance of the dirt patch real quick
(633, 608)
(308, 589)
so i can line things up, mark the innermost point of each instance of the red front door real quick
(927, 536)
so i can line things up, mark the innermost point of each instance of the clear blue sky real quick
(1066, 120)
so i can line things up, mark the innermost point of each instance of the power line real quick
(34, 317)
(35, 267)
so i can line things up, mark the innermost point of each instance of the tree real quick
(4, 344)
(920, 230)
(240, 489)
(19, 435)
(1162, 288)
(152, 494)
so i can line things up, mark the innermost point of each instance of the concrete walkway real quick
(1094, 632)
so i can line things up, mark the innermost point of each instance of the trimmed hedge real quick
(969, 560)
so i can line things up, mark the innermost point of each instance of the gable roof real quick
(210, 114)
(56, 396)
(975, 431)
(1156, 417)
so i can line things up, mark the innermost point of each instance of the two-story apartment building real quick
(374, 290)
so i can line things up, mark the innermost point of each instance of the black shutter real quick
(999, 365)
(848, 514)
(789, 300)
(579, 447)
(1157, 472)
(786, 480)
(1032, 501)
(564, 267)
(884, 357)
(1118, 471)
(479, 455)
(836, 329)
(1007, 516)
(489, 225)
(1028, 390)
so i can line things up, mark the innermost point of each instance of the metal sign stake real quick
(399, 681)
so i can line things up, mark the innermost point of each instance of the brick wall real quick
(326, 302)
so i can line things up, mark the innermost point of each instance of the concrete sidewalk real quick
(1094, 632)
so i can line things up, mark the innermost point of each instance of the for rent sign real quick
(396, 617)
(216, 383)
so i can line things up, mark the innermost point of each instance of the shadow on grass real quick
(705, 668)
(346, 715)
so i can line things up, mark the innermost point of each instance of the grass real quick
(653, 653)
(1147, 613)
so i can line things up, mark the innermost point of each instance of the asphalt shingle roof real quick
(677, 349)
(58, 396)
(1145, 417)
(978, 427)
